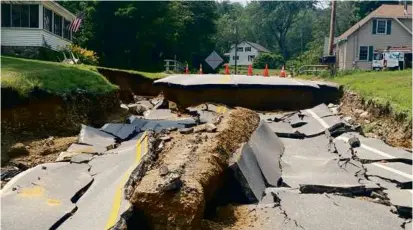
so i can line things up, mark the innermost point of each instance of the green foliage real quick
(87, 57)
(273, 61)
(25, 74)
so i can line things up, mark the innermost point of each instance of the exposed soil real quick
(43, 150)
(232, 217)
(130, 84)
(380, 122)
(194, 166)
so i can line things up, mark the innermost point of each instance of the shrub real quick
(274, 61)
(85, 56)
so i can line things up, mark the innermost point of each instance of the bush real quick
(274, 61)
(85, 56)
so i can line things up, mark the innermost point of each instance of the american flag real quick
(74, 26)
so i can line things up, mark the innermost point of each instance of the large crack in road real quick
(307, 169)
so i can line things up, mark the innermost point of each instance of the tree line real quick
(140, 35)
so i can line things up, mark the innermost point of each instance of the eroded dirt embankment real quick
(378, 120)
(175, 192)
(130, 84)
(41, 115)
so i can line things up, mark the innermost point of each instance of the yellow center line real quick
(113, 216)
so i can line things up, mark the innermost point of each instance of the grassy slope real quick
(393, 87)
(24, 74)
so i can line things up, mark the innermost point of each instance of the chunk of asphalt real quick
(91, 136)
(122, 131)
(268, 149)
(401, 199)
(248, 173)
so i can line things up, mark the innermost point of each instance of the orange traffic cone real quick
(266, 71)
(227, 69)
(282, 73)
(200, 68)
(186, 69)
(250, 70)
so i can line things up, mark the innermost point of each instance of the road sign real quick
(214, 60)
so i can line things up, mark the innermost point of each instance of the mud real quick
(380, 122)
(195, 163)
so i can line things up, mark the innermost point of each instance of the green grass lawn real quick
(393, 87)
(25, 74)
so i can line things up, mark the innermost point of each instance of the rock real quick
(367, 121)
(17, 150)
(349, 120)
(364, 114)
(199, 128)
(172, 129)
(166, 138)
(173, 182)
(49, 141)
(334, 110)
(354, 142)
(186, 130)
(210, 128)
(331, 105)
(66, 156)
(163, 170)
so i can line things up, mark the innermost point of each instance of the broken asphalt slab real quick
(103, 203)
(95, 137)
(256, 92)
(328, 211)
(122, 131)
(41, 192)
(268, 149)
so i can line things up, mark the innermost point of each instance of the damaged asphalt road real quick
(296, 170)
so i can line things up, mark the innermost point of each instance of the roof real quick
(384, 11)
(256, 46)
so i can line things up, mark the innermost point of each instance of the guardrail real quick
(313, 69)
(174, 65)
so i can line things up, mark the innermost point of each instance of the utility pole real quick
(236, 47)
(332, 27)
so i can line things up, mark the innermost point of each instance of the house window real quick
(364, 53)
(251, 57)
(57, 25)
(240, 49)
(19, 15)
(47, 19)
(34, 16)
(233, 57)
(247, 49)
(5, 15)
(66, 31)
(381, 26)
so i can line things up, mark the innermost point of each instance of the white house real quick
(246, 53)
(28, 25)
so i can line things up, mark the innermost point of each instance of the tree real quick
(276, 18)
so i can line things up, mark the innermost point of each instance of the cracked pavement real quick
(299, 172)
